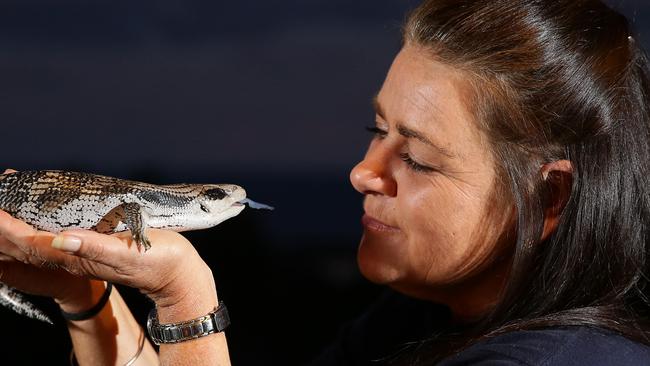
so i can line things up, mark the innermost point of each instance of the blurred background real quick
(271, 95)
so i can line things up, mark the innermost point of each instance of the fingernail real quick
(66, 243)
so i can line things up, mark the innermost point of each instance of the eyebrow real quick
(410, 133)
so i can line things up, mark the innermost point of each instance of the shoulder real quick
(570, 346)
(383, 329)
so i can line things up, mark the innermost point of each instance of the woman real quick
(507, 180)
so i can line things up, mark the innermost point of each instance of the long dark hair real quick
(554, 80)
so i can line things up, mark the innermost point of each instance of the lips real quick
(371, 223)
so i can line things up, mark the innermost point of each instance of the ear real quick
(558, 176)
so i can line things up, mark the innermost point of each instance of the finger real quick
(90, 254)
(7, 258)
(12, 228)
(10, 171)
(10, 249)
(13, 272)
(110, 250)
(21, 234)
(17, 236)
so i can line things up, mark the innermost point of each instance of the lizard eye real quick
(205, 208)
(216, 193)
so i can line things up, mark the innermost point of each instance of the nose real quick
(373, 176)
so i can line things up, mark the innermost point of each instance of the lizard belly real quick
(78, 213)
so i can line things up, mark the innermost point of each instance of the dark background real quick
(271, 95)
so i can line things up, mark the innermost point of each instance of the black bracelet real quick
(83, 315)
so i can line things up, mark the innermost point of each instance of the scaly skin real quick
(55, 201)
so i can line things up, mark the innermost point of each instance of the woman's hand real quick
(165, 272)
(171, 273)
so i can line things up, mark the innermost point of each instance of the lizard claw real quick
(141, 240)
(146, 243)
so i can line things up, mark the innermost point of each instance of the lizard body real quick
(54, 201)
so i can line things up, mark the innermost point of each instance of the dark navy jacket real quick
(396, 321)
(571, 346)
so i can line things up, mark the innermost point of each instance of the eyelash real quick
(416, 167)
(412, 164)
(378, 132)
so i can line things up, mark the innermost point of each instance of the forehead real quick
(430, 97)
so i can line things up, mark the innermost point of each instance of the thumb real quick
(104, 249)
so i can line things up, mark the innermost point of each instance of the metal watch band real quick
(214, 322)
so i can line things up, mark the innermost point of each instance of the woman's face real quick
(428, 180)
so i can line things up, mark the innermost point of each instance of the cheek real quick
(433, 211)
(438, 222)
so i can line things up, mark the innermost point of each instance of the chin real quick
(377, 266)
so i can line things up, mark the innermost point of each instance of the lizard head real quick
(219, 202)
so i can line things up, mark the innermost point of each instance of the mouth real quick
(229, 212)
(371, 223)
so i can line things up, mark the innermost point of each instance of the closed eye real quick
(378, 132)
(415, 166)
(205, 208)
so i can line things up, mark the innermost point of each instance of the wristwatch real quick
(214, 322)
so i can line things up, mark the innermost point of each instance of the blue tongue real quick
(256, 205)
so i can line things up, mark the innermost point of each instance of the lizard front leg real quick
(134, 218)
